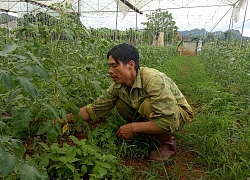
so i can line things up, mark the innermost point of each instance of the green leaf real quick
(2, 152)
(45, 127)
(51, 136)
(71, 160)
(28, 172)
(15, 143)
(62, 150)
(41, 72)
(12, 96)
(92, 150)
(3, 54)
(104, 94)
(72, 152)
(30, 69)
(109, 158)
(65, 71)
(70, 81)
(87, 32)
(35, 59)
(97, 87)
(63, 113)
(88, 160)
(74, 139)
(82, 142)
(82, 79)
(100, 170)
(45, 146)
(18, 130)
(79, 151)
(75, 110)
(68, 34)
(28, 86)
(59, 86)
(58, 128)
(8, 163)
(9, 48)
(54, 146)
(84, 169)
(104, 164)
(4, 138)
(49, 107)
(2, 124)
(72, 168)
(18, 147)
(24, 117)
(5, 76)
(44, 162)
(76, 176)
(6, 117)
(63, 159)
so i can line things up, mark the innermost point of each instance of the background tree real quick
(161, 21)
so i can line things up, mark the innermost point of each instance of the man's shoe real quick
(166, 150)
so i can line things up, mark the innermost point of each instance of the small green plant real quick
(77, 160)
(12, 164)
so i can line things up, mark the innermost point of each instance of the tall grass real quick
(220, 131)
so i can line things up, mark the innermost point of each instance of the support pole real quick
(131, 6)
(79, 8)
(243, 24)
(116, 21)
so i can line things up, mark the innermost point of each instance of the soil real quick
(184, 162)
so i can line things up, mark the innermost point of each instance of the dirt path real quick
(182, 166)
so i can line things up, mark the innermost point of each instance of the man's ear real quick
(131, 64)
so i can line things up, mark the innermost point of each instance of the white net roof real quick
(211, 15)
(21, 7)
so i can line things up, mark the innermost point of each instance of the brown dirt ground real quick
(184, 163)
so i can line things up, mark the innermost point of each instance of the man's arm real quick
(129, 130)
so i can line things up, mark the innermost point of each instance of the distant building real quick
(12, 24)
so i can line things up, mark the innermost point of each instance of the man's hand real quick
(129, 130)
(65, 121)
(126, 131)
(70, 118)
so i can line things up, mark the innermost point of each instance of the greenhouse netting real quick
(125, 14)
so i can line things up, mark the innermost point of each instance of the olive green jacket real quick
(167, 101)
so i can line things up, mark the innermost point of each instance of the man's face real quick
(119, 73)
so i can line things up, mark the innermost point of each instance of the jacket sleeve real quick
(102, 105)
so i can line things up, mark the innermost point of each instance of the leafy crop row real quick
(42, 78)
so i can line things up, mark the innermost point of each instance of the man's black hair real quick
(124, 53)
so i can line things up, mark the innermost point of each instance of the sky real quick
(211, 15)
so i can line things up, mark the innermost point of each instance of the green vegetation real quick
(161, 21)
(48, 71)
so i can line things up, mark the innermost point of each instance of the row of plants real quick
(217, 81)
(41, 82)
(43, 77)
(233, 65)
